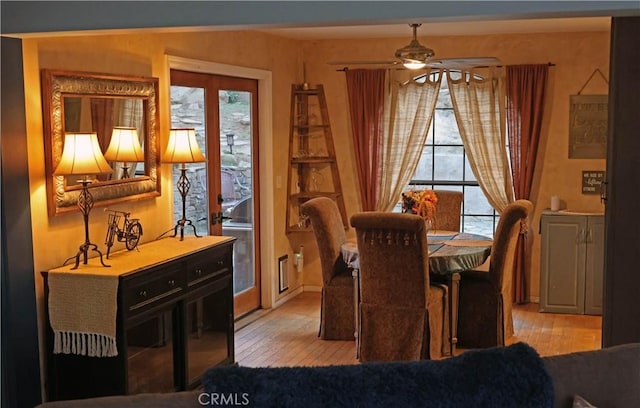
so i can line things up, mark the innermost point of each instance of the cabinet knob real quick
(142, 293)
(198, 272)
(220, 262)
(171, 282)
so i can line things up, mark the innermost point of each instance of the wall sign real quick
(588, 126)
(592, 181)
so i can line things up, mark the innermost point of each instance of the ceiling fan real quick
(415, 56)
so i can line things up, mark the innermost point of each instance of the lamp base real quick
(183, 188)
(85, 203)
(83, 250)
(180, 225)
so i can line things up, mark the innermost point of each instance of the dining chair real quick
(448, 210)
(402, 315)
(484, 312)
(337, 304)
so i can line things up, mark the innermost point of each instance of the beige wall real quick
(575, 55)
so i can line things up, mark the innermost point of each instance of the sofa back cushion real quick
(606, 378)
(512, 376)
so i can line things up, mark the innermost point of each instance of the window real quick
(444, 165)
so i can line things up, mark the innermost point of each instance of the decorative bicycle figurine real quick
(130, 232)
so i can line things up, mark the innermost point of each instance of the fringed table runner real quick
(82, 313)
(83, 302)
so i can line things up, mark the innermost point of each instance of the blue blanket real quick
(512, 376)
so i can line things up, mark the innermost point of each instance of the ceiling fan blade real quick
(464, 62)
(363, 62)
(416, 53)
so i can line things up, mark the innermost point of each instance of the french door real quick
(224, 191)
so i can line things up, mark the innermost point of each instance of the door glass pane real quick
(237, 188)
(187, 111)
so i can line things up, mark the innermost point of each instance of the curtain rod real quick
(551, 64)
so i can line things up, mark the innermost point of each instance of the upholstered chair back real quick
(448, 210)
(485, 307)
(503, 253)
(329, 232)
(504, 245)
(394, 263)
(402, 316)
(337, 311)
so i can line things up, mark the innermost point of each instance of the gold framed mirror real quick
(90, 102)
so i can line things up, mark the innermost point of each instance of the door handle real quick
(218, 218)
(603, 192)
(580, 238)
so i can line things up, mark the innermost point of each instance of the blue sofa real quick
(513, 376)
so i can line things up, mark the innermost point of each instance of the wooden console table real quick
(173, 318)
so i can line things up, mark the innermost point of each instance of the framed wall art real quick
(588, 126)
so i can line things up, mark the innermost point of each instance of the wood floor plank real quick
(288, 335)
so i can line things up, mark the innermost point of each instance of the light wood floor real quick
(288, 335)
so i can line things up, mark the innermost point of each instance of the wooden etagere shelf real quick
(313, 170)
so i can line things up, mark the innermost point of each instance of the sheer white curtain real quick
(409, 107)
(479, 109)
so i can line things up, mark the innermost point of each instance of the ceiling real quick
(445, 28)
(379, 30)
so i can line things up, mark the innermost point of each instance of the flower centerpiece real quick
(422, 203)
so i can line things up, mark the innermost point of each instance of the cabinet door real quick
(209, 329)
(595, 265)
(562, 264)
(151, 345)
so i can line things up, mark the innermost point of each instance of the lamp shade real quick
(81, 154)
(183, 147)
(124, 146)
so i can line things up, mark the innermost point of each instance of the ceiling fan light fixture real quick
(414, 64)
(414, 55)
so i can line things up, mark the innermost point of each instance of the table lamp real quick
(124, 147)
(183, 148)
(81, 155)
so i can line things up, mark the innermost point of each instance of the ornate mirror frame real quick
(57, 84)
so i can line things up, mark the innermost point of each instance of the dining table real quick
(450, 252)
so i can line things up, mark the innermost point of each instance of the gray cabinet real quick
(571, 263)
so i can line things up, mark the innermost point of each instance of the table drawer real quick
(159, 285)
(203, 269)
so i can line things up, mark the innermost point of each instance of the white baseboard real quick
(288, 297)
